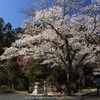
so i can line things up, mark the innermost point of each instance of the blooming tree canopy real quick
(60, 35)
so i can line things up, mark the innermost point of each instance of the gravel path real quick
(89, 96)
(12, 96)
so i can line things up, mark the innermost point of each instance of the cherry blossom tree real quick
(63, 34)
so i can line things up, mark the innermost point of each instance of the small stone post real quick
(45, 90)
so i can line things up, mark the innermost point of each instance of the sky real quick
(9, 11)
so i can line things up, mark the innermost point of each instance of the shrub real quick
(6, 89)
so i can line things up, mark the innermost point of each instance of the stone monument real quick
(36, 89)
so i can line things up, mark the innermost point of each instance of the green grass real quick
(89, 89)
(21, 92)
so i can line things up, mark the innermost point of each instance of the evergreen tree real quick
(7, 34)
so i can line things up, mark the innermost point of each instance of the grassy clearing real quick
(21, 92)
(88, 89)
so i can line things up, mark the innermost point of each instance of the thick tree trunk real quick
(69, 83)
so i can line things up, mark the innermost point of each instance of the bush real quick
(20, 84)
(6, 89)
(20, 87)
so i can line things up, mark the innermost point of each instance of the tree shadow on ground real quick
(89, 96)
